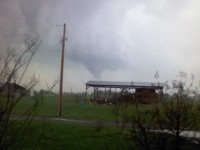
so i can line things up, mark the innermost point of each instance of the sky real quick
(109, 40)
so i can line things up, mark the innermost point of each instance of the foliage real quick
(178, 112)
(121, 115)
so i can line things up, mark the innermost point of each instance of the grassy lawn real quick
(62, 136)
(53, 136)
(71, 109)
(71, 137)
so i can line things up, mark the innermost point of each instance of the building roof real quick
(17, 87)
(134, 85)
(13, 86)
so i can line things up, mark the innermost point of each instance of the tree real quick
(178, 112)
(13, 68)
(181, 110)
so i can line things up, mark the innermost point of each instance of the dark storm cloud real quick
(136, 36)
(31, 12)
(92, 28)
(29, 17)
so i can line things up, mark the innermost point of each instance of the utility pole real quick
(61, 71)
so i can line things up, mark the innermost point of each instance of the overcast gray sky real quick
(116, 40)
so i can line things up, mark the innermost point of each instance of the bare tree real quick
(121, 109)
(12, 72)
(121, 116)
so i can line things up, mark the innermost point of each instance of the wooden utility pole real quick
(61, 71)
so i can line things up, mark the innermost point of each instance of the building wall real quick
(146, 95)
(11, 90)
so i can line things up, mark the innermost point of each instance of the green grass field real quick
(71, 137)
(55, 136)
(71, 109)
(62, 136)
